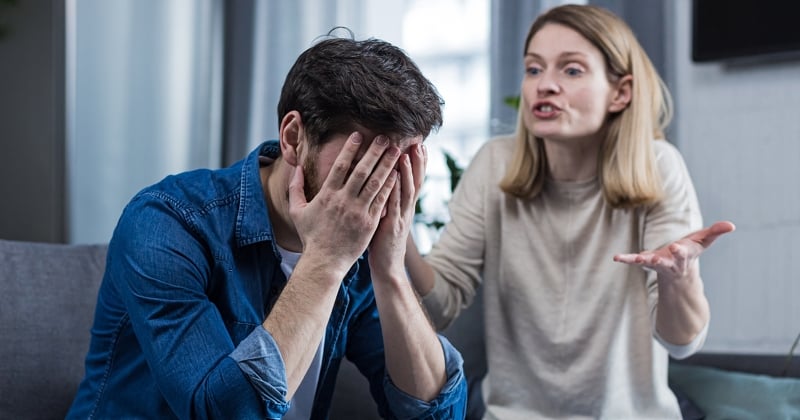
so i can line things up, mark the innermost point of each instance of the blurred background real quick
(100, 98)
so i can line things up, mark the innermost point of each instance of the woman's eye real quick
(533, 71)
(573, 71)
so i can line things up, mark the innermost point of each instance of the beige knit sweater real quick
(569, 332)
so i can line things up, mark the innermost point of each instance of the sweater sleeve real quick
(678, 212)
(675, 216)
(458, 256)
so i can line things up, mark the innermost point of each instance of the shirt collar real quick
(252, 218)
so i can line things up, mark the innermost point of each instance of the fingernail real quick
(381, 140)
(356, 138)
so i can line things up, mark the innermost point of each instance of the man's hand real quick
(388, 246)
(414, 356)
(335, 228)
(676, 260)
(338, 223)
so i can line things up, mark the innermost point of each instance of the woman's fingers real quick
(707, 236)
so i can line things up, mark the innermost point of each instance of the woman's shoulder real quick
(671, 166)
(668, 157)
(503, 141)
(493, 155)
(497, 147)
(665, 150)
(488, 165)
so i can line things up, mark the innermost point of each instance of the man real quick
(195, 316)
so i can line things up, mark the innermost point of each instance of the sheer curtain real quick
(158, 87)
(263, 38)
(143, 101)
(448, 39)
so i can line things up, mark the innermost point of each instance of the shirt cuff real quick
(453, 392)
(260, 360)
(685, 350)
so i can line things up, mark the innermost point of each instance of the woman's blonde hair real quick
(627, 167)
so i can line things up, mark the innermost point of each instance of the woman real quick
(573, 330)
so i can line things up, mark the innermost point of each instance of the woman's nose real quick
(547, 84)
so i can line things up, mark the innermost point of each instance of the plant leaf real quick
(512, 101)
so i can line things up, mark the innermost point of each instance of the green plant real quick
(455, 170)
(512, 101)
(455, 175)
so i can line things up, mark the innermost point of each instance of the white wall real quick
(738, 127)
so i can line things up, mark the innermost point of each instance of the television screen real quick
(725, 29)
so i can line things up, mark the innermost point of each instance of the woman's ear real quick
(622, 94)
(291, 137)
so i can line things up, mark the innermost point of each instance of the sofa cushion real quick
(722, 394)
(46, 310)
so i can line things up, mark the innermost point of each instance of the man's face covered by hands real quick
(363, 189)
(319, 158)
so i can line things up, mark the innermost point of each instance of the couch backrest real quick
(48, 294)
(47, 297)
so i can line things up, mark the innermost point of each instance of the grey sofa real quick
(46, 310)
(47, 305)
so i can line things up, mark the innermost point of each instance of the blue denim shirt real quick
(192, 272)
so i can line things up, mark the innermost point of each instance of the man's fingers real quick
(373, 170)
(384, 194)
(409, 189)
(394, 204)
(419, 161)
(344, 161)
(297, 196)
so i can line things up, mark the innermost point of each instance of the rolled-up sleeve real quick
(451, 402)
(260, 359)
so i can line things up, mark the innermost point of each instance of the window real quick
(449, 41)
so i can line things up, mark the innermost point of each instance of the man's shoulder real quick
(197, 189)
(206, 186)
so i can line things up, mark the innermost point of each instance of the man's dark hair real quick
(341, 82)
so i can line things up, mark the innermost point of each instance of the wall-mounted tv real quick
(739, 29)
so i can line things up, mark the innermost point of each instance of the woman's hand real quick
(683, 309)
(676, 260)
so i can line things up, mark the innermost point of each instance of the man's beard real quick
(310, 187)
